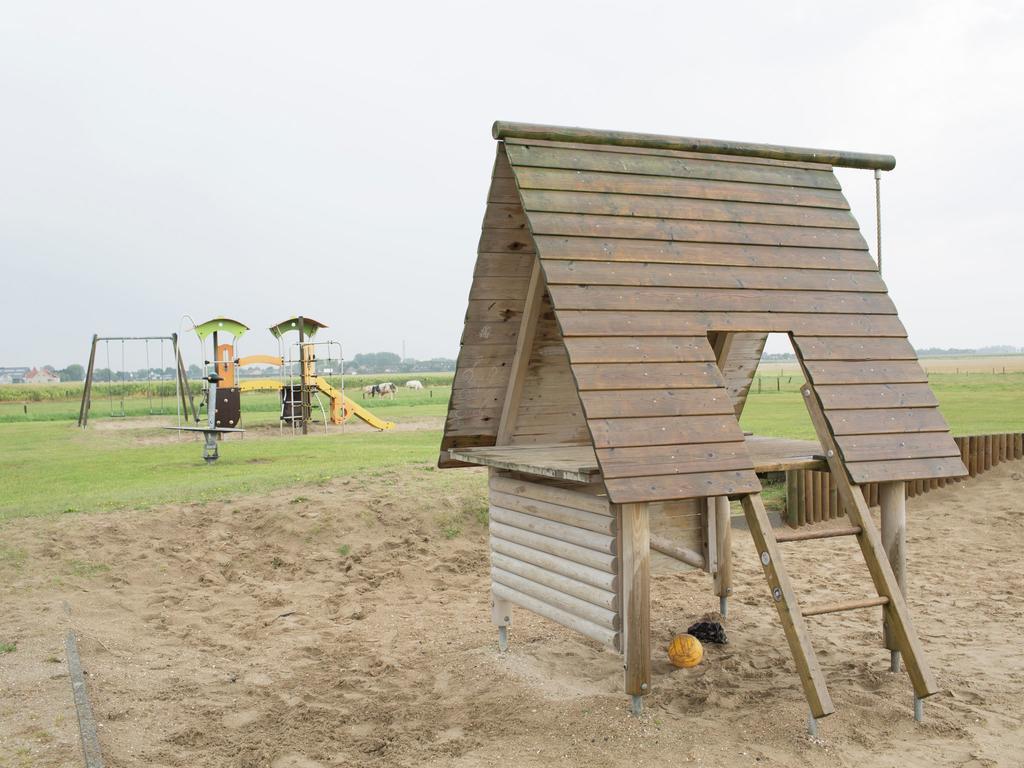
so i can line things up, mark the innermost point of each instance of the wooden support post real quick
(833, 498)
(521, 359)
(893, 501)
(709, 536)
(897, 613)
(811, 676)
(989, 451)
(83, 410)
(809, 497)
(187, 401)
(801, 497)
(723, 529)
(501, 609)
(635, 578)
(815, 478)
(792, 515)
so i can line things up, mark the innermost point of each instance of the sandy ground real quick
(244, 633)
(143, 431)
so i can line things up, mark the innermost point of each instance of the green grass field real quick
(976, 404)
(49, 466)
(132, 401)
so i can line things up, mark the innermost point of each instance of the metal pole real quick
(878, 217)
(179, 396)
(302, 375)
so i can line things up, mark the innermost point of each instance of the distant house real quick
(13, 375)
(41, 376)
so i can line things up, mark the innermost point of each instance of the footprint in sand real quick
(257, 679)
(295, 761)
(240, 718)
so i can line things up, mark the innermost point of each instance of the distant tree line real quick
(997, 350)
(777, 357)
(389, 362)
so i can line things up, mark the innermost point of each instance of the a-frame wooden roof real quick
(650, 254)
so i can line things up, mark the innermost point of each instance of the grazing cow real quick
(387, 389)
(370, 389)
(414, 384)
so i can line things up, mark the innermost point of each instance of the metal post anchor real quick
(636, 705)
(210, 454)
(918, 709)
(894, 661)
(812, 725)
(723, 606)
(502, 639)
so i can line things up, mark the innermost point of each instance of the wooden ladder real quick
(889, 597)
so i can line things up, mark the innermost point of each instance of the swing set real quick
(121, 380)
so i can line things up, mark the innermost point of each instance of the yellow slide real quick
(342, 407)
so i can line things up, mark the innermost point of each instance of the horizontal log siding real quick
(554, 552)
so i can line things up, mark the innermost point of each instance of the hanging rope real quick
(124, 378)
(161, 379)
(149, 381)
(878, 216)
(110, 379)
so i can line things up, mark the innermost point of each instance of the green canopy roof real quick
(309, 326)
(233, 327)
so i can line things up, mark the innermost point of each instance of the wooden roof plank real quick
(918, 445)
(639, 349)
(668, 186)
(908, 469)
(661, 299)
(765, 255)
(659, 376)
(645, 461)
(849, 396)
(662, 165)
(691, 486)
(867, 348)
(650, 206)
(588, 322)
(868, 372)
(665, 152)
(876, 421)
(667, 430)
(683, 230)
(623, 403)
(565, 272)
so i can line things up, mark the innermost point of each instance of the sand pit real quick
(347, 624)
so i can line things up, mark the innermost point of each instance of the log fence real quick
(811, 495)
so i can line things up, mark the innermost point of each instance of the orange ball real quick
(685, 651)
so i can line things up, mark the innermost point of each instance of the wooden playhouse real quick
(624, 288)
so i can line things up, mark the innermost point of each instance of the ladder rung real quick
(827, 533)
(852, 605)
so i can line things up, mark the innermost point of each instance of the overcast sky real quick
(261, 160)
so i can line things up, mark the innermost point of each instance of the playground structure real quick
(299, 383)
(624, 288)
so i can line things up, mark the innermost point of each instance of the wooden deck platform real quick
(578, 463)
